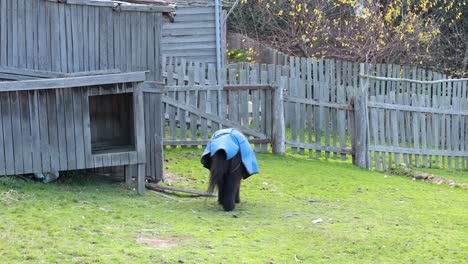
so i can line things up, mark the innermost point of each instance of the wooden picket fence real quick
(418, 122)
(380, 115)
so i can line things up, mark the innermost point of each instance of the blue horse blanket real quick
(231, 141)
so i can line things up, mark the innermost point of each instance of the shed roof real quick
(164, 6)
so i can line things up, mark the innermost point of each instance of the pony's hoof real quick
(229, 207)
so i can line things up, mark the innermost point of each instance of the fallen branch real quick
(161, 188)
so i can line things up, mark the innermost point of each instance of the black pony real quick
(230, 158)
(226, 176)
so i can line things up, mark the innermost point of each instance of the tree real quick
(377, 31)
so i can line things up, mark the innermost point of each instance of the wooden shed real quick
(77, 86)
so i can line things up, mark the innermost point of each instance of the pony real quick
(226, 176)
(230, 159)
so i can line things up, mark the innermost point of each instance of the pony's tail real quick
(219, 168)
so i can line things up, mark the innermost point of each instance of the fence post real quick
(361, 121)
(278, 141)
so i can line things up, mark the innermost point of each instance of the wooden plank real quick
(139, 122)
(374, 133)
(103, 39)
(21, 32)
(341, 118)
(154, 137)
(233, 104)
(150, 46)
(243, 114)
(395, 126)
(26, 138)
(465, 128)
(171, 110)
(36, 141)
(267, 111)
(98, 161)
(320, 103)
(418, 152)
(332, 98)
(62, 44)
(309, 108)
(319, 147)
(192, 100)
(53, 130)
(424, 129)
(149, 127)
(110, 39)
(93, 31)
(30, 72)
(15, 115)
(182, 98)
(255, 102)
(13, 55)
(55, 24)
(316, 96)
(218, 105)
(7, 134)
(456, 129)
(381, 122)
(416, 130)
(71, 82)
(292, 109)
(3, 32)
(388, 125)
(77, 36)
(44, 131)
(78, 127)
(325, 111)
(69, 129)
(158, 132)
(43, 44)
(435, 127)
(420, 109)
(415, 80)
(61, 128)
(85, 2)
(3, 162)
(203, 108)
(141, 178)
(120, 41)
(128, 43)
(402, 125)
(279, 129)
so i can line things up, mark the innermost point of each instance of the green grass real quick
(368, 217)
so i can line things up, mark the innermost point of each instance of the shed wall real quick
(192, 35)
(59, 37)
(48, 130)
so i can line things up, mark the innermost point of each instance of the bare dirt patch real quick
(171, 178)
(162, 243)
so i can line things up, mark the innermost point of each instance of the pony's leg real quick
(231, 188)
(238, 195)
(220, 194)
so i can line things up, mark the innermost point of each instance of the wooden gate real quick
(196, 106)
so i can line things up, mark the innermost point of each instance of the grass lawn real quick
(295, 211)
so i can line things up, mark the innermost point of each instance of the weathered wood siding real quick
(192, 35)
(60, 37)
(43, 35)
(47, 127)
